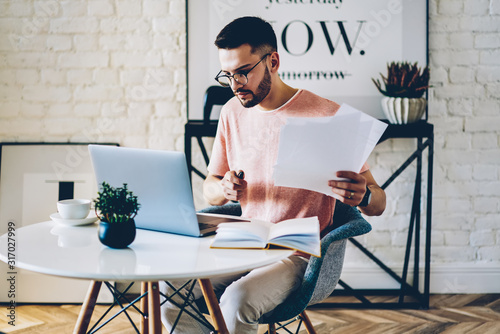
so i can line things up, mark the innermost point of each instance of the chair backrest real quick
(214, 95)
(230, 208)
(349, 223)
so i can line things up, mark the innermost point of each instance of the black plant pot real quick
(117, 235)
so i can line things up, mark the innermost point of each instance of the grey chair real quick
(322, 274)
(214, 95)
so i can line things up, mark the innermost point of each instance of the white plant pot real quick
(403, 110)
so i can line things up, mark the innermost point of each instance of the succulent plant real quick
(115, 205)
(404, 80)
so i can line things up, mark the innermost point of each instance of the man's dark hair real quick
(251, 30)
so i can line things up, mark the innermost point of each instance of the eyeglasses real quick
(240, 77)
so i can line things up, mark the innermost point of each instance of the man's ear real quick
(275, 61)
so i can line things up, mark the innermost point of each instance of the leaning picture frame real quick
(33, 177)
(333, 48)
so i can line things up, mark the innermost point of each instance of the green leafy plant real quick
(115, 205)
(404, 80)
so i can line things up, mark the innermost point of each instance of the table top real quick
(76, 252)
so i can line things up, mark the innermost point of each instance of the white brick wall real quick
(115, 63)
(464, 106)
(115, 71)
(465, 51)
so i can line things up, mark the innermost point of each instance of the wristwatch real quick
(367, 198)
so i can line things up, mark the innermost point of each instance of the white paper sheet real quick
(312, 150)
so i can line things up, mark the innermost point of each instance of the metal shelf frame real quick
(408, 294)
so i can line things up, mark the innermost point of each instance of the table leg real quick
(213, 305)
(154, 307)
(144, 308)
(87, 308)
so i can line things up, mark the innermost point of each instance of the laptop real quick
(161, 182)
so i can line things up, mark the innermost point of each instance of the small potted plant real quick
(116, 208)
(404, 86)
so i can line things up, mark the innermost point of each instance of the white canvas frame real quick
(393, 30)
(29, 176)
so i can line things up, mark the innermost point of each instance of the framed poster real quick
(330, 47)
(33, 177)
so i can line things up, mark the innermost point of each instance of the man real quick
(241, 169)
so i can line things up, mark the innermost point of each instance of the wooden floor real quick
(471, 314)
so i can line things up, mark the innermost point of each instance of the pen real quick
(239, 175)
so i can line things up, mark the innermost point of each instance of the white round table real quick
(76, 252)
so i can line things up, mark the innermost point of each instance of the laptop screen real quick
(159, 179)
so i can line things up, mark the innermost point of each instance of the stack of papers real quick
(312, 150)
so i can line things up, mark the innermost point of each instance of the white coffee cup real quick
(74, 208)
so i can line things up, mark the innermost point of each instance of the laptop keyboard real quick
(204, 226)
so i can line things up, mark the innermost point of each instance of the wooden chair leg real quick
(307, 323)
(144, 309)
(271, 328)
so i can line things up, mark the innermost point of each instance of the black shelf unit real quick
(408, 295)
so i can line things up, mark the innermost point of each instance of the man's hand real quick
(352, 189)
(219, 189)
(233, 185)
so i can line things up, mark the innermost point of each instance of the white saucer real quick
(72, 222)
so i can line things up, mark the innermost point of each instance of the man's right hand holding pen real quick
(231, 187)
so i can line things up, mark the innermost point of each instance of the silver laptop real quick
(161, 182)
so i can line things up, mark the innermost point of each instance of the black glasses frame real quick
(240, 77)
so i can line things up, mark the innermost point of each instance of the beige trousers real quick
(244, 298)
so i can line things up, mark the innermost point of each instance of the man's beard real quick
(261, 93)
